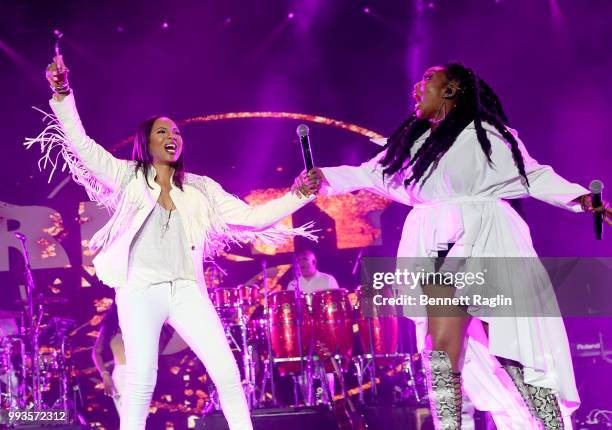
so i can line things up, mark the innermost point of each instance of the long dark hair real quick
(110, 324)
(475, 101)
(142, 155)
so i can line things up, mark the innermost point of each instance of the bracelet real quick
(63, 89)
(105, 371)
(583, 202)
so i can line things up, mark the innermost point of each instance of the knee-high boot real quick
(444, 388)
(542, 402)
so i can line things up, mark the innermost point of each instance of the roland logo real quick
(587, 346)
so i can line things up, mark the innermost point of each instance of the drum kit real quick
(280, 334)
(35, 362)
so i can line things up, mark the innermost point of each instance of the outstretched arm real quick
(369, 176)
(238, 213)
(546, 185)
(103, 166)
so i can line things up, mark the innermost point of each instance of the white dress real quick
(462, 203)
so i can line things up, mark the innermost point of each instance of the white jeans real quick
(142, 312)
(119, 382)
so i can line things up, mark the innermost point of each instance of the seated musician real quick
(310, 278)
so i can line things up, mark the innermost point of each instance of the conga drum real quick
(378, 332)
(248, 295)
(225, 300)
(331, 314)
(284, 331)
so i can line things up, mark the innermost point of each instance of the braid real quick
(509, 137)
(436, 145)
(481, 134)
(401, 142)
(476, 102)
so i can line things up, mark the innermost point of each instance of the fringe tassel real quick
(220, 235)
(270, 236)
(55, 144)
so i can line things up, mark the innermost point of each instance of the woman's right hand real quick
(57, 75)
(109, 386)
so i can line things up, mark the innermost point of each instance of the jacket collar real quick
(153, 173)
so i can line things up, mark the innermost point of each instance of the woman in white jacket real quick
(456, 162)
(165, 222)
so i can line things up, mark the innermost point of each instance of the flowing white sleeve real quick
(238, 213)
(546, 185)
(107, 169)
(369, 176)
(64, 140)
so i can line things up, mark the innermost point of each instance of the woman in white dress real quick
(456, 162)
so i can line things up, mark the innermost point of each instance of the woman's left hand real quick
(586, 201)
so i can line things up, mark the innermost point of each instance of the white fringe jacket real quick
(211, 217)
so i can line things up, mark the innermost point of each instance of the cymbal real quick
(4, 314)
(44, 301)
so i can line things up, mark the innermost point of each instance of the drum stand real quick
(249, 383)
(64, 402)
(15, 386)
(268, 374)
(365, 368)
(306, 368)
(34, 325)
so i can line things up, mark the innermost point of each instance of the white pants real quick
(119, 383)
(142, 312)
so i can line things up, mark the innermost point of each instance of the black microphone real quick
(302, 132)
(596, 186)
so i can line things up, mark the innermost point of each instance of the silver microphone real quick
(303, 133)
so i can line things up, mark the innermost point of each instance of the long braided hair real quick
(475, 101)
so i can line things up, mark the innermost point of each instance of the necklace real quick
(165, 225)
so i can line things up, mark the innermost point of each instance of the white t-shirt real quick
(319, 281)
(160, 252)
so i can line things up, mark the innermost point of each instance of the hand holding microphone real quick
(57, 73)
(308, 183)
(310, 180)
(594, 203)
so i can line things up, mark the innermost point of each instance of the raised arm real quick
(101, 165)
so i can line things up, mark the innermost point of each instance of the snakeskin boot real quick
(444, 388)
(542, 402)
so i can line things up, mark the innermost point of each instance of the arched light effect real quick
(279, 115)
